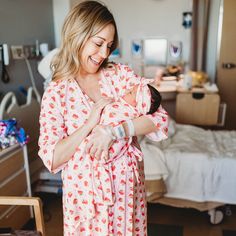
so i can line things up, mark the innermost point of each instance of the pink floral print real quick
(120, 208)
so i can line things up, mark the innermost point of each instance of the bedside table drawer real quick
(10, 164)
(14, 187)
(197, 108)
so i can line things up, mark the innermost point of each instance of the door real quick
(226, 68)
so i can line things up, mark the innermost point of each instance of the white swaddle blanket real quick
(155, 167)
(154, 161)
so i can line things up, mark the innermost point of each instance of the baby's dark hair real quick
(155, 99)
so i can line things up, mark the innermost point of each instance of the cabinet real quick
(14, 181)
(197, 107)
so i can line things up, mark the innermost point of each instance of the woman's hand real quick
(96, 111)
(99, 143)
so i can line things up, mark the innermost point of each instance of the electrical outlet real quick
(17, 52)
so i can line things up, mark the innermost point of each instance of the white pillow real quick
(44, 68)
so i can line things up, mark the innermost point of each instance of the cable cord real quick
(32, 80)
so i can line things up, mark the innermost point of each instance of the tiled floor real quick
(53, 217)
(195, 223)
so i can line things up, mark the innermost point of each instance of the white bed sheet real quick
(200, 164)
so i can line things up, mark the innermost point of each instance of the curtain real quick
(200, 20)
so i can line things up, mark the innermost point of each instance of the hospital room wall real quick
(140, 19)
(22, 23)
(151, 18)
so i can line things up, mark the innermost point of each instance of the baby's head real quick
(136, 100)
(155, 99)
(130, 96)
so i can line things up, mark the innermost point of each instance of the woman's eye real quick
(100, 45)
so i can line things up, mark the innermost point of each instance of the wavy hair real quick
(84, 21)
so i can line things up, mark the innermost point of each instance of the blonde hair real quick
(84, 21)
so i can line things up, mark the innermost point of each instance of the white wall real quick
(22, 23)
(212, 40)
(60, 9)
(139, 19)
(150, 18)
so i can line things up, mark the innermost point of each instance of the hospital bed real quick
(193, 168)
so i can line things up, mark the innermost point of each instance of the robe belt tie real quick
(102, 188)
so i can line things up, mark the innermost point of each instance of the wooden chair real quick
(28, 201)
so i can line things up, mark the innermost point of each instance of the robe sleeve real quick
(160, 118)
(52, 127)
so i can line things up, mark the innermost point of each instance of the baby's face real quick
(130, 96)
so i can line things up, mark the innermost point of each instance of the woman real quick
(83, 84)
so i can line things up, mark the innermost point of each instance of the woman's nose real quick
(104, 51)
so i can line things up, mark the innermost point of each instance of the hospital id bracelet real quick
(119, 131)
(130, 126)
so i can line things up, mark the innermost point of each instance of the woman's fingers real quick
(103, 102)
(92, 150)
(95, 151)
(89, 146)
(105, 155)
(99, 143)
(98, 154)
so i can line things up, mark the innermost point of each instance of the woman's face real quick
(96, 50)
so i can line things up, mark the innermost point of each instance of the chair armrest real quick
(27, 201)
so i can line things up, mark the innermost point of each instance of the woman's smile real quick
(96, 62)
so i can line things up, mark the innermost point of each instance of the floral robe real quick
(64, 109)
